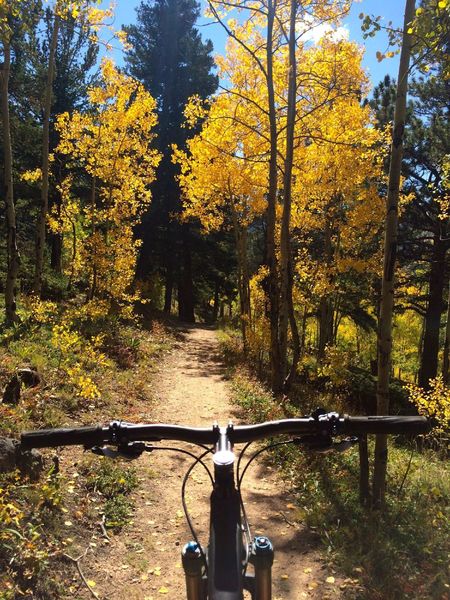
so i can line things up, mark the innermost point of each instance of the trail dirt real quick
(143, 561)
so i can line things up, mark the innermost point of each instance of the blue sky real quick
(389, 10)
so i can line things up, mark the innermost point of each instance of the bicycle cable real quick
(246, 524)
(268, 447)
(198, 459)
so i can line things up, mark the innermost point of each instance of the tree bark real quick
(216, 304)
(364, 487)
(11, 235)
(186, 287)
(296, 342)
(285, 238)
(169, 268)
(93, 286)
(326, 309)
(430, 349)
(446, 361)
(271, 255)
(42, 222)
(390, 255)
(240, 237)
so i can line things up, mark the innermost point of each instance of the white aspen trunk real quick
(390, 254)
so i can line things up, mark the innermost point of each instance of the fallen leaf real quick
(163, 590)
(285, 577)
(330, 579)
(308, 570)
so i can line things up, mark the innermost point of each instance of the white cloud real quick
(314, 33)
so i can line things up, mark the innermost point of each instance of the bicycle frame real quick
(226, 563)
(225, 579)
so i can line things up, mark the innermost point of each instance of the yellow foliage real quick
(77, 354)
(258, 335)
(112, 143)
(434, 403)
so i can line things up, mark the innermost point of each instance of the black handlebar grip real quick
(387, 425)
(44, 438)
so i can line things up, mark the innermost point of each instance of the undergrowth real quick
(40, 521)
(401, 553)
(113, 482)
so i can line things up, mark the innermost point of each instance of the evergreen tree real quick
(174, 63)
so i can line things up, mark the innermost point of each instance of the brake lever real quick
(130, 451)
(324, 443)
(345, 444)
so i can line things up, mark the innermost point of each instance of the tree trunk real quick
(216, 304)
(42, 222)
(186, 287)
(326, 309)
(169, 275)
(430, 350)
(11, 242)
(326, 320)
(364, 488)
(56, 240)
(240, 237)
(390, 254)
(445, 363)
(286, 274)
(271, 253)
(296, 343)
(93, 286)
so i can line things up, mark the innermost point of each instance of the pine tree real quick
(173, 62)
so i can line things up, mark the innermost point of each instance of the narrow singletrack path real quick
(143, 562)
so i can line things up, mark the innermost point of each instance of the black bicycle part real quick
(119, 433)
(225, 551)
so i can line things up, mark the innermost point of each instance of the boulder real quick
(27, 376)
(11, 393)
(12, 456)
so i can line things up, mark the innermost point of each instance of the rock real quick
(11, 393)
(28, 376)
(8, 458)
(29, 462)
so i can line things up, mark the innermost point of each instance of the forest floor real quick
(143, 560)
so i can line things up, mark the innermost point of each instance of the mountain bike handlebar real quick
(119, 432)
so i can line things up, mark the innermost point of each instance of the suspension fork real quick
(225, 580)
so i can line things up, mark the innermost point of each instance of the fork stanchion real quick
(262, 559)
(191, 559)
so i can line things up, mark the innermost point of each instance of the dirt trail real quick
(144, 561)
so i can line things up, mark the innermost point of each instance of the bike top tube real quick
(119, 432)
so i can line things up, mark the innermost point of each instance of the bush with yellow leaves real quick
(435, 404)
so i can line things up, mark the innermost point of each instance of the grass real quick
(114, 482)
(401, 553)
(44, 519)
